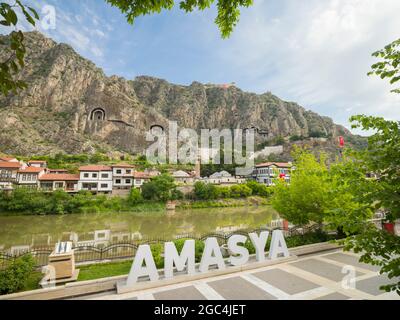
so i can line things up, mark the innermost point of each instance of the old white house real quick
(122, 176)
(59, 181)
(8, 173)
(267, 173)
(29, 176)
(96, 178)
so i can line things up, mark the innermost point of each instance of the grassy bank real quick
(222, 203)
(32, 202)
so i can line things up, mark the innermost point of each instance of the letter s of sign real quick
(143, 254)
(235, 249)
(187, 257)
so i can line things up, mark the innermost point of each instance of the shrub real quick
(259, 189)
(240, 191)
(135, 197)
(160, 188)
(15, 276)
(205, 191)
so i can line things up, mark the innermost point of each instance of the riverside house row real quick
(119, 178)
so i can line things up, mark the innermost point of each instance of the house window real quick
(94, 175)
(119, 171)
(59, 185)
(104, 186)
(86, 175)
(128, 171)
(101, 235)
(46, 185)
(118, 181)
(104, 175)
(128, 181)
(138, 181)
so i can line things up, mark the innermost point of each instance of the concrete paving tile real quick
(237, 288)
(334, 296)
(371, 285)
(186, 293)
(322, 269)
(286, 281)
(351, 260)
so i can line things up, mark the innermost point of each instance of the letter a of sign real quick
(211, 256)
(278, 246)
(138, 270)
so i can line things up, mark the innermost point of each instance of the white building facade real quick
(267, 173)
(123, 176)
(96, 178)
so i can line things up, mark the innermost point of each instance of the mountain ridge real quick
(65, 90)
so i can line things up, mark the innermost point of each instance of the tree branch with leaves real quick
(227, 18)
(13, 57)
(389, 68)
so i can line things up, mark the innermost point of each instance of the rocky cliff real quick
(72, 106)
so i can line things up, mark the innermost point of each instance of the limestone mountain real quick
(71, 106)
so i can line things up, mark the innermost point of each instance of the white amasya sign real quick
(144, 265)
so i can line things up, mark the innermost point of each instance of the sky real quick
(313, 52)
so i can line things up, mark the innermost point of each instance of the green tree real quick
(389, 67)
(160, 188)
(305, 199)
(227, 18)
(382, 158)
(12, 58)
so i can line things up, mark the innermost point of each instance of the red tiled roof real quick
(141, 175)
(58, 170)
(6, 159)
(123, 165)
(278, 164)
(37, 161)
(10, 165)
(31, 170)
(59, 177)
(95, 168)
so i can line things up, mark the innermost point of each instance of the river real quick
(19, 233)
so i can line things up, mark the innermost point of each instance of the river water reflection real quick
(26, 232)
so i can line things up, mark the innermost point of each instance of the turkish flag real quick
(341, 142)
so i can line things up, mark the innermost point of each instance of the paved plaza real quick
(315, 277)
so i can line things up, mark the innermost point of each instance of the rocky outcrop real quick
(71, 106)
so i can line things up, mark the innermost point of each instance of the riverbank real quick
(222, 203)
(33, 202)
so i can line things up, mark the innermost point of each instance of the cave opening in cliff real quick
(157, 127)
(98, 114)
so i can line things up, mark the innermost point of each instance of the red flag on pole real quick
(341, 142)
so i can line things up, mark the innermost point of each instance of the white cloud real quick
(318, 53)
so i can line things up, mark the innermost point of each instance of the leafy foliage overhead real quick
(15, 48)
(389, 68)
(227, 18)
